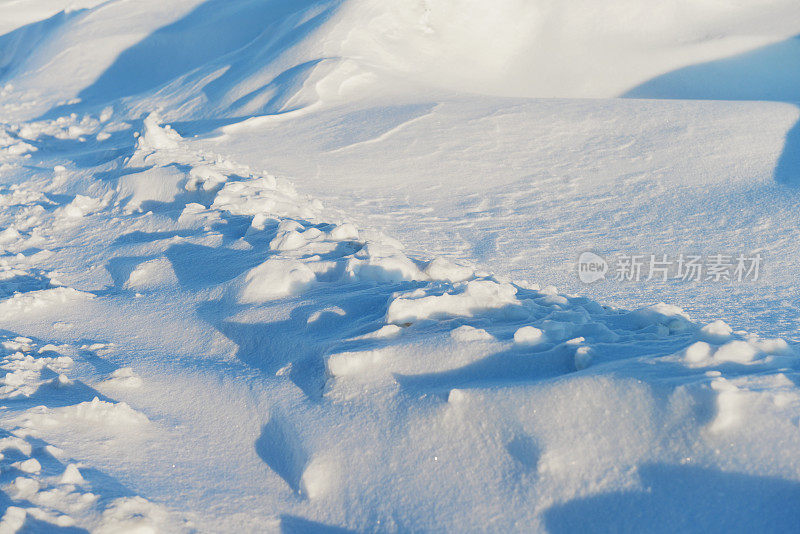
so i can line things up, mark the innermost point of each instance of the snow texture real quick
(288, 266)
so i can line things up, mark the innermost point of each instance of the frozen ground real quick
(290, 266)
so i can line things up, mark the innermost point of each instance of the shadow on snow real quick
(769, 73)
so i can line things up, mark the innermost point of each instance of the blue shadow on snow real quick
(684, 498)
(770, 73)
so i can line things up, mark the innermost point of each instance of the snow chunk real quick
(736, 351)
(26, 487)
(457, 396)
(344, 232)
(467, 333)
(13, 519)
(151, 274)
(83, 205)
(386, 331)
(380, 262)
(697, 352)
(124, 377)
(94, 414)
(39, 300)
(672, 317)
(275, 278)
(205, 177)
(264, 196)
(441, 269)
(730, 402)
(159, 184)
(528, 336)
(770, 346)
(30, 466)
(71, 475)
(353, 363)
(583, 358)
(154, 137)
(9, 235)
(319, 477)
(716, 332)
(474, 297)
(288, 238)
(10, 146)
(319, 314)
(62, 381)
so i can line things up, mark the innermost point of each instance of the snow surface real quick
(290, 266)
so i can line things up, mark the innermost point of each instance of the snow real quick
(467, 300)
(274, 279)
(72, 475)
(528, 335)
(717, 331)
(309, 266)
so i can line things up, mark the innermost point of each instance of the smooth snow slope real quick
(190, 342)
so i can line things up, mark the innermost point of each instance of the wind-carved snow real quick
(45, 488)
(209, 348)
(447, 332)
(449, 345)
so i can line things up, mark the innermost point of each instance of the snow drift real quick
(175, 306)
(236, 58)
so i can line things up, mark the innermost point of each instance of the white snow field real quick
(291, 266)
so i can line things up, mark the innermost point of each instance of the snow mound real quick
(274, 279)
(467, 300)
(273, 57)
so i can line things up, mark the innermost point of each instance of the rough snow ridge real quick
(304, 248)
(535, 325)
(46, 488)
(387, 342)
